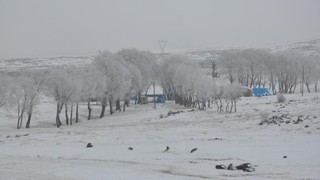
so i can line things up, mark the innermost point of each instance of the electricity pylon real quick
(162, 45)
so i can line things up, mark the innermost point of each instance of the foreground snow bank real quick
(48, 152)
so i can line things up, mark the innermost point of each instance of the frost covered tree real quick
(229, 59)
(217, 96)
(73, 97)
(280, 70)
(287, 71)
(60, 88)
(27, 87)
(231, 94)
(116, 79)
(246, 67)
(37, 79)
(184, 81)
(166, 71)
(143, 61)
(254, 61)
(91, 84)
(20, 98)
(5, 90)
(137, 84)
(311, 68)
(203, 92)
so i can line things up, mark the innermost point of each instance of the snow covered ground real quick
(47, 152)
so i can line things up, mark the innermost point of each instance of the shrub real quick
(281, 98)
(264, 116)
(161, 116)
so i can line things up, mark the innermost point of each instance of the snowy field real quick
(47, 152)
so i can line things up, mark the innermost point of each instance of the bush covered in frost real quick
(281, 98)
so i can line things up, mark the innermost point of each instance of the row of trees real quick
(111, 78)
(280, 71)
(186, 83)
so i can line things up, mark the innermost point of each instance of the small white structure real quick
(157, 92)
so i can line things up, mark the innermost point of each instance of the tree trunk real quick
(110, 104)
(66, 113)
(19, 116)
(77, 112)
(29, 117)
(126, 103)
(136, 100)
(231, 107)
(227, 106)
(19, 122)
(71, 113)
(235, 106)
(103, 106)
(139, 98)
(118, 106)
(308, 88)
(58, 122)
(89, 110)
(203, 105)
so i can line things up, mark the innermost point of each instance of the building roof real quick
(158, 90)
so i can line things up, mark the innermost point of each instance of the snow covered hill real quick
(42, 63)
(203, 56)
(307, 48)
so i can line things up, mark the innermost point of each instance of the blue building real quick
(261, 92)
(158, 93)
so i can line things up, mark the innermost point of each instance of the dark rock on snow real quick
(231, 167)
(244, 166)
(193, 150)
(220, 166)
(89, 145)
(167, 149)
(299, 120)
(251, 169)
(247, 167)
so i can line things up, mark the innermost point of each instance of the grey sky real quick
(38, 28)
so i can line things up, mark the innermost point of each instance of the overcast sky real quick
(42, 28)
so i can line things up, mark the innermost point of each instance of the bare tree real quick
(60, 88)
(37, 78)
(22, 97)
(229, 60)
(5, 90)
